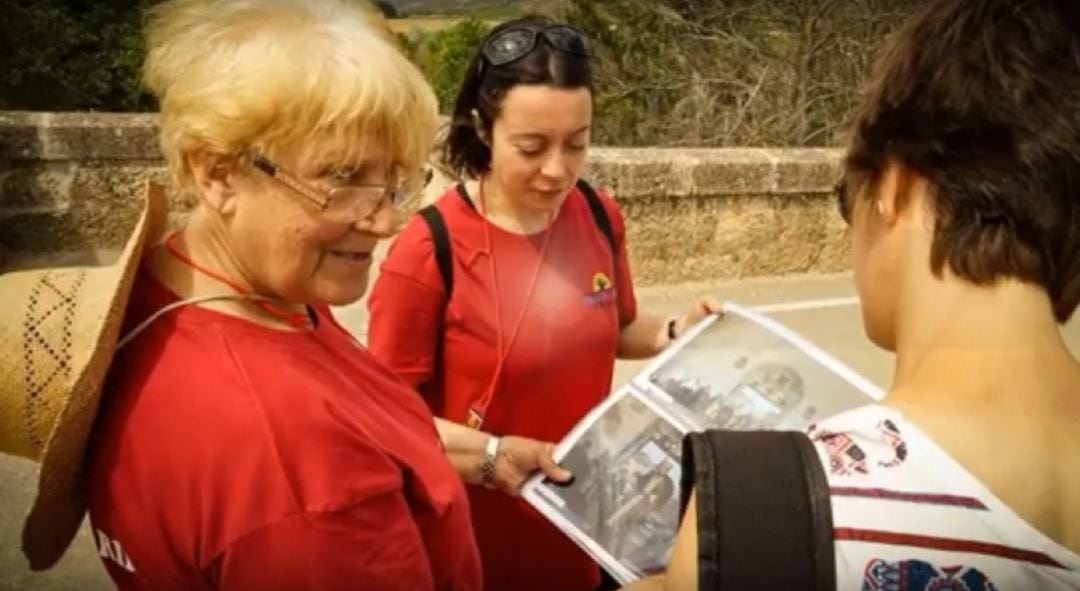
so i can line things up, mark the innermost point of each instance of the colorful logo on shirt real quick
(603, 291)
(846, 457)
(916, 575)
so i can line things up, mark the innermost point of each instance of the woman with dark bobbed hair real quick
(507, 302)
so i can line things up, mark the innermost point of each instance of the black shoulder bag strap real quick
(764, 516)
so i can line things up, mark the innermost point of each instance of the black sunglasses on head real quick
(519, 41)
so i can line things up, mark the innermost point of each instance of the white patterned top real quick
(909, 518)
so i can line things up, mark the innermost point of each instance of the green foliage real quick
(728, 72)
(71, 55)
(409, 44)
(444, 57)
(85, 55)
(668, 72)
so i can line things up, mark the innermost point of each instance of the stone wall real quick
(68, 182)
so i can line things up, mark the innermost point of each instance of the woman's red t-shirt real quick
(559, 367)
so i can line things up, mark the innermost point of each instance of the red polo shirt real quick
(233, 456)
(559, 367)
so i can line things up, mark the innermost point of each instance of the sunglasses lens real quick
(509, 46)
(568, 40)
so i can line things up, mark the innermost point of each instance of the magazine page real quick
(743, 370)
(623, 504)
(746, 371)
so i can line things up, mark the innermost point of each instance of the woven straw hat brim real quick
(87, 305)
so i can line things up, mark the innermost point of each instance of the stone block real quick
(673, 240)
(102, 203)
(738, 171)
(630, 173)
(36, 232)
(39, 186)
(20, 135)
(78, 136)
(807, 170)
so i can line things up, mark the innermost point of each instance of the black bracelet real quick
(671, 330)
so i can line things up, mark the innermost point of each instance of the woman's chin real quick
(547, 203)
(343, 293)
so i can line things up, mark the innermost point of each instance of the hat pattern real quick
(47, 349)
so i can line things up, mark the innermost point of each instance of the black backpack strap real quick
(600, 216)
(440, 237)
(764, 516)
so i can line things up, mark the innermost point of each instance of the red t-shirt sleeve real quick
(406, 306)
(624, 282)
(373, 545)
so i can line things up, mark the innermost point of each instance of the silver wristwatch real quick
(487, 467)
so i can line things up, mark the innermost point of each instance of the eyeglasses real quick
(517, 42)
(348, 203)
(841, 191)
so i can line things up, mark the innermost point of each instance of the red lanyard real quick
(294, 319)
(479, 408)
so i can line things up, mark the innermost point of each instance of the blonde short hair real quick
(234, 75)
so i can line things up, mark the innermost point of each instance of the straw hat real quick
(58, 332)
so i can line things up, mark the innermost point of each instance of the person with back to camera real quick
(962, 188)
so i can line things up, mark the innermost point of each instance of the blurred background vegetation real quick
(669, 72)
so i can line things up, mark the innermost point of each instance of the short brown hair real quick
(982, 98)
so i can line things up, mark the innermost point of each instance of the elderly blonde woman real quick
(246, 441)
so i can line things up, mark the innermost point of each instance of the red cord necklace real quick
(479, 408)
(295, 319)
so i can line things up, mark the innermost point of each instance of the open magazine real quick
(741, 371)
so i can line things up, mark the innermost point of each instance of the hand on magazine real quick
(702, 307)
(519, 458)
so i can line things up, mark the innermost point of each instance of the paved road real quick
(836, 329)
